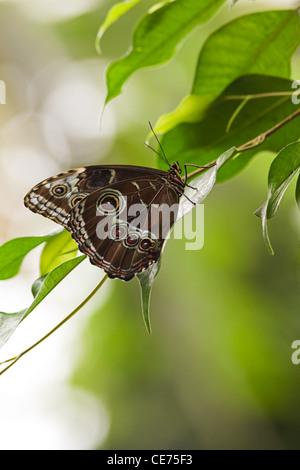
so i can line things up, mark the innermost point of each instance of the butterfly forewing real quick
(55, 197)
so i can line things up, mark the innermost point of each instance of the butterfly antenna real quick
(155, 151)
(160, 146)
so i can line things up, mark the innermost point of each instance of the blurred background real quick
(216, 372)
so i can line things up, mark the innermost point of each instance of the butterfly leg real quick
(194, 203)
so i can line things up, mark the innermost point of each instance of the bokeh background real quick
(216, 372)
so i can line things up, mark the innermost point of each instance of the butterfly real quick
(119, 215)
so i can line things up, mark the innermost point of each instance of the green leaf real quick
(146, 279)
(41, 288)
(14, 251)
(201, 142)
(262, 212)
(113, 15)
(156, 37)
(266, 43)
(282, 171)
(57, 250)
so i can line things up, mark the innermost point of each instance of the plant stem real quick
(85, 301)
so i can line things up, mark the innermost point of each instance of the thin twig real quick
(16, 358)
(262, 137)
(253, 142)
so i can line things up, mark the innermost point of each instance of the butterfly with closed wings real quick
(95, 204)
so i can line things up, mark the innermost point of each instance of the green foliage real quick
(269, 103)
(266, 43)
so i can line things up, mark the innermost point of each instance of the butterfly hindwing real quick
(120, 228)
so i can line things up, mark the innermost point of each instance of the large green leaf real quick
(283, 170)
(41, 288)
(201, 142)
(157, 36)
(13, 252)
(260, 43)
(57, 250)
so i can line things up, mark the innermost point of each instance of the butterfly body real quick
(119, 215)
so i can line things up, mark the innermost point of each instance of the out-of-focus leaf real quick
(156, 38)
(41, 288)
(266, 43)
(57, 250)
(201, 142)
(14, 251)
(113, 15)
(282, 171)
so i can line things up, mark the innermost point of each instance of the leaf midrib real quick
(143, 59)
(271, 38)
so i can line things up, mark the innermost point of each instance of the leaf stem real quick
(13, 360)
(259, 95)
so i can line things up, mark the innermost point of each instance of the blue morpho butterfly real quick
(95, 204)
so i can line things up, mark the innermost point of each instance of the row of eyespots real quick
(144, 244)
(109, 203)
(133, 239)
